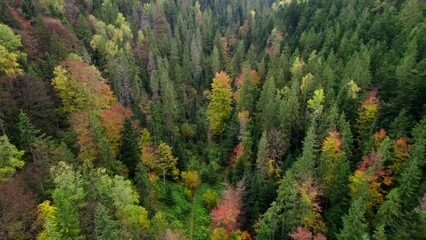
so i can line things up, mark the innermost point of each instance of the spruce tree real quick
(354, 223)
(106, 227)
(129, 147)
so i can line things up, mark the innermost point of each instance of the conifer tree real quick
(129, 147)
(354, 223)
(266, 105)
(106, 227)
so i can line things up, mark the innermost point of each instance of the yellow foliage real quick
(219, 108)
(190, 179)
(9, 62)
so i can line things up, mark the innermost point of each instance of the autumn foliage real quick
(303, 233)
(228, 211)
(113, 120)
(219, 108)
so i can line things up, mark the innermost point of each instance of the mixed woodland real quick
(212, 119)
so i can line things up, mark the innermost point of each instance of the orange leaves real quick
(368, 178)
(81, 86)
(333, 143)
(237, 153)
(80, 122)
(112, 120)
(368, 112)
(401, 152)
(309, 194)
(379, 137)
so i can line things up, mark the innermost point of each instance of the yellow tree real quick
(219, 108)
(368, 112)
(9, 53)
(166, 162)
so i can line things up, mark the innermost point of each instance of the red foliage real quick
(18, 211)
(401, 148)
(55, 26)
(227, 212)
(236, 154)
(373, 162)
(24, 23)
(379, 137)
(303, 233)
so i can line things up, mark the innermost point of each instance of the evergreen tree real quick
(354, 223)
(266, 105)
(106, 227)
(129, 147)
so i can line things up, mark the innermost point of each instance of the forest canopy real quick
(213, 119)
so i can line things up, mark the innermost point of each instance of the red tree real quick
(227, 212)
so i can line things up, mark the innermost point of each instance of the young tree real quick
(166, 162)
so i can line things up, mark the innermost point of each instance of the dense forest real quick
(212, 119)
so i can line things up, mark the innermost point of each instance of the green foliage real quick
(354, 223)
(9, 53)
(28, 134)
(106, 227)
(299, 73)
(266, 105)
(129, 147)
(210, 198)
(10, 158)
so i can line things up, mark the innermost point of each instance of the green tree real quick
(9, 54)
(106, 227)
(67, 196)
(166, 162)
(354, 223)
(129, 147)
(266, 105)
(10, 158)
(28, 134)
(215, 59)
